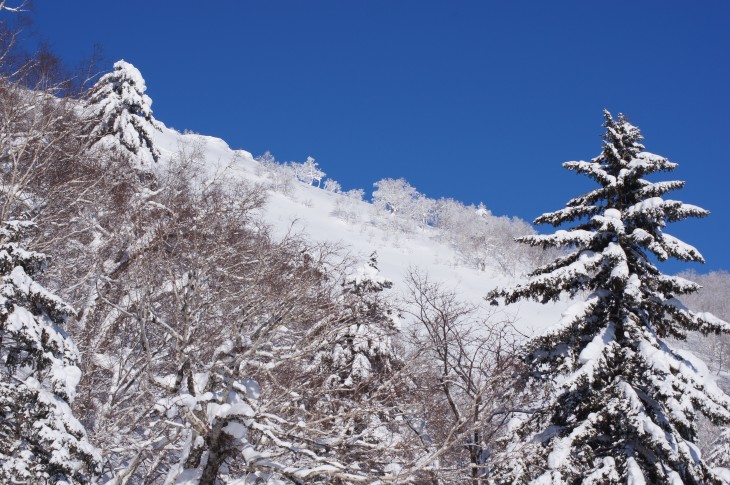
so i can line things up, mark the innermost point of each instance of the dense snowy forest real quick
(158, 325)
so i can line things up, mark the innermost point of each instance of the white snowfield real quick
(308, 210)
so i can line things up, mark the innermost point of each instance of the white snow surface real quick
(309, 210)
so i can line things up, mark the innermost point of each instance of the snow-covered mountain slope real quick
(309, 210)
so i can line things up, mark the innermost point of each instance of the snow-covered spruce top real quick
(123, 113)
(624, 403)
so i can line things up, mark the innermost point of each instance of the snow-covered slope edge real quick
(309, 210)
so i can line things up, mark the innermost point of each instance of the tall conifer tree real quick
(623, 403)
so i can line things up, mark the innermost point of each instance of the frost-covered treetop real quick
(126, 74)
(616, 225)
(367, 278)
(126, 80)
(626, 209)
(124, 113)
(619, 171)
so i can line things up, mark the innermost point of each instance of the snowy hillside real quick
(310, 210)
(211, 317)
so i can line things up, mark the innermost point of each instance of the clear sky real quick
(475, 100)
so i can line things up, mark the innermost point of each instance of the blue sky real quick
(479, 101)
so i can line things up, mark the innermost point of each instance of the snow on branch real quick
(16, 9)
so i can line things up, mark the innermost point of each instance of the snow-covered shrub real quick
(308, 172)
(282, 175)
(485, 241)
(395, 196)
(399, 206)
(348, 208)
(355, 194)
(331, 185)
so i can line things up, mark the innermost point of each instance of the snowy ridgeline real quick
(464, 247)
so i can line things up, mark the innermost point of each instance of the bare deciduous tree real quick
(465, 381)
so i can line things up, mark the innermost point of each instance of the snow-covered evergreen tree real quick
(123, 115)
(361, 346)
(624, 403)
(355, 374)
(40, 439)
